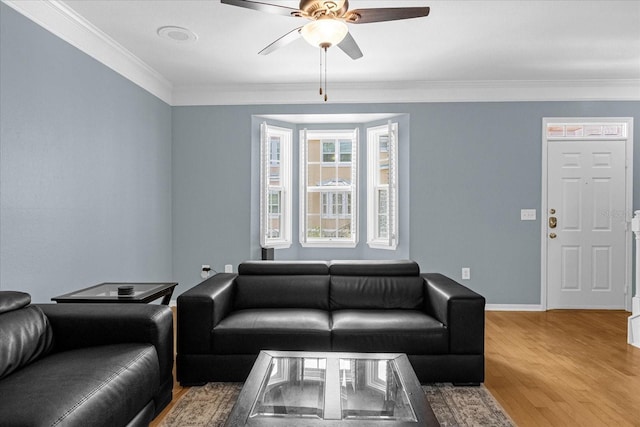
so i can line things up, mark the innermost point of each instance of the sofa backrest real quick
(25, 332)
(282, 284)
(376, 284)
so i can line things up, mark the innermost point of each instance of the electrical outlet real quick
(205, 272)
(466, 273)
(228, 268)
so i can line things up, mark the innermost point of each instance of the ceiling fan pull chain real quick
(320, 72)
(325, 74)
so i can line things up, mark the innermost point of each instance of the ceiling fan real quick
(328, 22)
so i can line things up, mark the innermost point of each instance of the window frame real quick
(284, 159)
(338, 137)
(374, 164)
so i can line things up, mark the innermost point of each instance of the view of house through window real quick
(328, 202)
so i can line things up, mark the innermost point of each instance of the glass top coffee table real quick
(331, 389)
(121, 293)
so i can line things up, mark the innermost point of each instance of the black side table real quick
(108, 292)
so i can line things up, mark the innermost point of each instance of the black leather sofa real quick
(352, 306)
(83, 364)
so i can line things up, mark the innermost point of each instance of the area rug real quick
(211, 404)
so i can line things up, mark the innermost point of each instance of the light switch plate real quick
(527, 214)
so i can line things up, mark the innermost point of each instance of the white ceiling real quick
(462, 45)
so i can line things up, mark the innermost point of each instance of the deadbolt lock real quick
(553, 222)
(553, 235)
(552, 211)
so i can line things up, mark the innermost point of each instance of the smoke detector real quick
(177, 34)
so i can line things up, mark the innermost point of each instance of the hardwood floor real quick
(563, 368)
(557, 368)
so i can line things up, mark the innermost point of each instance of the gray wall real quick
(100, 181)
(85, 169)
(473, 166)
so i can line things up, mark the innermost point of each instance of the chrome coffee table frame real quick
(250, 410)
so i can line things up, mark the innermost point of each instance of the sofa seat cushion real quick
(249, 331)
(395, 331)
(94, 386)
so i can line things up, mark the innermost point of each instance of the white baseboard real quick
(513, 307)
(634, 331)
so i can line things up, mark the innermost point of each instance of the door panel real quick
(571, 260)
(586, 252)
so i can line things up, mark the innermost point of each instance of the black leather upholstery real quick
(379, 331)
(352, 306)
(109, 365)
(282, 291)
(13, 300)
(261, 268)
(25, 335)
(249, 331)
(204, 307)
(389, 268)
(93, 386)
(371, 292)
(461, 309)
(76, 326)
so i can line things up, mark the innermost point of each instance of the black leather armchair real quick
(83, 364)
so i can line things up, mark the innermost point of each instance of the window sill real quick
(381, 245)
(328, 244)
(280, 245)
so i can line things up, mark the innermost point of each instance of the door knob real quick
(553, 222)
(553, 235)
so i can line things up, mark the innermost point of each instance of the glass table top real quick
(111, 290)
(369, 389)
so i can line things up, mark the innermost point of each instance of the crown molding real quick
(403, 92)
(65, 23)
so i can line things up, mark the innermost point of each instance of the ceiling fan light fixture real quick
(324, 32)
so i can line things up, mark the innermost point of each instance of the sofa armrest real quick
(460, 309)
(200, 309)
(86, 325)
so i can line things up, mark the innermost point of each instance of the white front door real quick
(586, 218)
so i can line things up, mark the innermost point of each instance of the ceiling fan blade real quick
(262, 7)
(282, 41)
(350, 47)
(364, 16)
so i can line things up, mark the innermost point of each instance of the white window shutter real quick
(282, 188)
(264, 179)
(304, 155)
(392, 192)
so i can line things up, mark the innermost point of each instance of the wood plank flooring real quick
(563, 368)
(557, 368)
